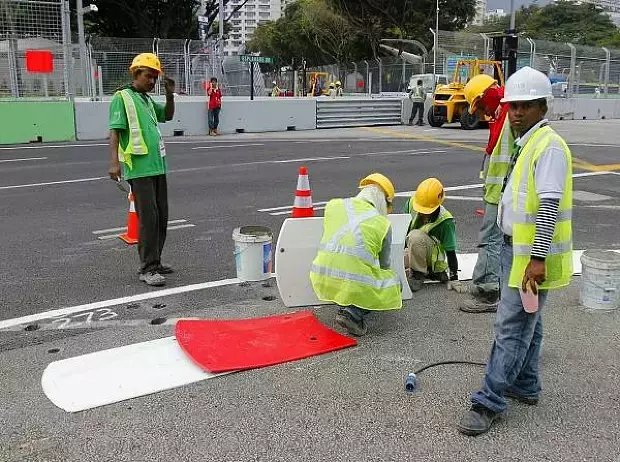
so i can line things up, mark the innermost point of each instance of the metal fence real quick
(32, 25)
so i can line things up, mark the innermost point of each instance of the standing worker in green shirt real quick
(431, 242)
(137, 143)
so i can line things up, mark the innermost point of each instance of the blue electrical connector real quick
(410, 383)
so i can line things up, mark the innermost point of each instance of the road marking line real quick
(465, 198)
(23, 160)
(286, 207)
(169, 228)
(228, 146)
(287, 212)
(31, 185)
(123, 228)
(429, 139)
(309, 159)
(16, 148)
(116, 301)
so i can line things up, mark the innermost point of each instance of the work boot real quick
(416, 280)
(477, 420)
(165, 269)
(345, 320)
(529, 400)
(420, 124)
(153, 278)
(480, 302)
(441, 277)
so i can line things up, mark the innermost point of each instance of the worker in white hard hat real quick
(353, 265)
(332, 91)
(339, 91)
(535, 217)
(137, 144)
(275, 92)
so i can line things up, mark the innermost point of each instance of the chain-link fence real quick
(28, 26)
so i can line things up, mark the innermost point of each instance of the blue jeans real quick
(214, 118)
(513, 364)
(486, 271)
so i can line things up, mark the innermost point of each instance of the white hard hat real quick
(527, 84)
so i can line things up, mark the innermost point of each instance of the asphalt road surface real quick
(57, 203)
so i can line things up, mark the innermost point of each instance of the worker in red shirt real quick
(215, 106)
(484, 95)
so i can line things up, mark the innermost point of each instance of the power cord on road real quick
(410, 383)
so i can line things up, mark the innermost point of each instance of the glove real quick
(457, 286)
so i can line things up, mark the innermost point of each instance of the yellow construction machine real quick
(449, 103)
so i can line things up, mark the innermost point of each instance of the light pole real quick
(513, 18)
(82, 41)
(435, 45)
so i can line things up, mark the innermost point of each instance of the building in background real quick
(481, 11)
(285, 3)
(245, 21)
(495, 14)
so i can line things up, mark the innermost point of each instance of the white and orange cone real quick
(133, 228)
(302, 208)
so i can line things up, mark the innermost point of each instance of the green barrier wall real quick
(23, 121)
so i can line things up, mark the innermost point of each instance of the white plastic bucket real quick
(253, 252)
(600, 274)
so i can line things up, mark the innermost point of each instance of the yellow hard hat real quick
(146, 60)
(383, 182)
(475, 88)
(428, 197)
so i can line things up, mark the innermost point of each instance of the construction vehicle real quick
(318, 83)
(449, 103)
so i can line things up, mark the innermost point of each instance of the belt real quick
(507, 239)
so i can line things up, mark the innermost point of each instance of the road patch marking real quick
(123, 228)
(32, 185)
(25, 159)
(228, 146)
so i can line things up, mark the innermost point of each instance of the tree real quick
(166, 19)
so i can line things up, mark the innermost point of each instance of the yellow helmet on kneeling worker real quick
(428, 196)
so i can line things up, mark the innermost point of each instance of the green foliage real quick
(580, 24)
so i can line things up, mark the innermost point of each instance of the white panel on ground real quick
(294, 256)
(118, 374)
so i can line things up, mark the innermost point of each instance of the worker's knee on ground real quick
(417, 238)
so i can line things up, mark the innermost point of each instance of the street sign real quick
(256, 59)
(203, 20)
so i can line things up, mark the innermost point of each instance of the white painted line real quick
(607, 207)
(123, 228)
(308, 159)
(228, 146)
(592, 145)
(465, 198)
(23, 160)
(287, 212)
(586, 174)
(45, 146)
(170, 228)
(287, 207)
(32, 185)
(117, 301)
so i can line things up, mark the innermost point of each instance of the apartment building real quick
(481, 11)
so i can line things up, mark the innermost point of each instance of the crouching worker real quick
(352, 268)
(431, 242)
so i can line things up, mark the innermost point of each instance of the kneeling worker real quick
(353, 266)
(431, 239)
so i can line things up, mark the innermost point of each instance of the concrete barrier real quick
(25, 120)
(584, 109)
(238, 115)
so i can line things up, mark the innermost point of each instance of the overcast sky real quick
(505, 4)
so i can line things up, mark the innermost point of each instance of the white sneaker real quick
(153, 278)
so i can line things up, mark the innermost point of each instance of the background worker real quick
(484, 94)
(536, 221)
(137, 143)
(339, 91)
(353, 266)
(275, 92)
(215, 106)
(431, 242)
(332, 91)
(417, 95)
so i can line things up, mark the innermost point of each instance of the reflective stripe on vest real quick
(526, 203)
(347, 270)
(136, 145)
(499, 164)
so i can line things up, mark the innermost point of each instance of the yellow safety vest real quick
(559, 261)
(439, 262)
(499, 164)
(136, 145)
(346, 270)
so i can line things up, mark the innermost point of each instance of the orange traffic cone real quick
(131, 236)
(302, 208)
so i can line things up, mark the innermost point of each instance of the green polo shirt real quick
(150, 164)
(445, 232)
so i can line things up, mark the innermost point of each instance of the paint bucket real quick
(253, 252)
(600, 275)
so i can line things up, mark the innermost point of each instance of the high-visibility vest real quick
(439, 262)
(136, 145)
(346, 270)
(416, 93)
(559, 261)
(499, 165)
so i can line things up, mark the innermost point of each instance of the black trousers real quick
(151, 196)
(418, 108)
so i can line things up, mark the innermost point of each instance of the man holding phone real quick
(137, 143)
